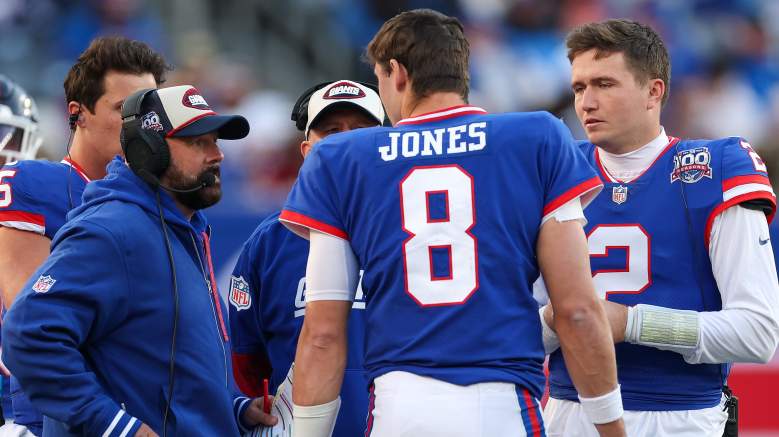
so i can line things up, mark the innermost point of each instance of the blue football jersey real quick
(648, 241)
(267, 305)
(36, 195)
(443, 212)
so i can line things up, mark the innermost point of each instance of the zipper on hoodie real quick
(212, 294)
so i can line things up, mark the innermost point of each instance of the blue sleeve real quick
(745, 177)
(19, 207)
(565, 171)
(313, 203)
(249, 355)
(240, 404)
(76, 297)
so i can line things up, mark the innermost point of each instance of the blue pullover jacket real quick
(90, 335)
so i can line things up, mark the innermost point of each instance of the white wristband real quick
(605, 408)
(316, 420)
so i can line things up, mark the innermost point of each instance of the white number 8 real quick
(449, 234)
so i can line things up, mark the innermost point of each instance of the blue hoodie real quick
(89, 337)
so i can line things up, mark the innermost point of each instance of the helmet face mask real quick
(19, 136)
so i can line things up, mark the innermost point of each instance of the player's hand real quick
(256, 415)
(615, 312)
(145, 431)
(612, 429)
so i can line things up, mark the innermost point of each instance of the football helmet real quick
(19, 136)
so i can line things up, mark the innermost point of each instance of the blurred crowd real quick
(253, 57)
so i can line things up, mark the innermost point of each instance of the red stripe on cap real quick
(188, 122)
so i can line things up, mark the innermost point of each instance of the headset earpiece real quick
(73, 119)
(145, 150)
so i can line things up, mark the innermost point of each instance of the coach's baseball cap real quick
(181, 111)
(344, 93)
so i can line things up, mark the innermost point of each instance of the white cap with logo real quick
(181, 111)
(344, 92)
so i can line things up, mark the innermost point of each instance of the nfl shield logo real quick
(43, 284)
(619, 194)
(240, 297)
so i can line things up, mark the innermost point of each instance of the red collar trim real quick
(75, 166)
(442, 114)
(609, 178)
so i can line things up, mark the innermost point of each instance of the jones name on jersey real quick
(450, 140)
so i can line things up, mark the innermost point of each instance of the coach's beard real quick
(199, 199)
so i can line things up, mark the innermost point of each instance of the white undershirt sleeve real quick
(332, 272)
(571, 210)
(746, 329)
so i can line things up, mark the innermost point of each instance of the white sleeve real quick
(332, 272)
(746, 329)
(571, 210)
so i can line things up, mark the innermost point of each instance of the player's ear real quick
(75, 114)
(656, 93)
(399, 73)
(305, 147)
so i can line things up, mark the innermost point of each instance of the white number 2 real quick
(757, 161)
(637, 274)
(5, 189)
(444, 235)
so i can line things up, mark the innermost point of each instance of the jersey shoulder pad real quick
(739, 158)
(26, 195)
(745, 177)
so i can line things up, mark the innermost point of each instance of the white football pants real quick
(405, 404)
(566, 418)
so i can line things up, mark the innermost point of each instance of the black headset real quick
(145, 150)
(300, 109)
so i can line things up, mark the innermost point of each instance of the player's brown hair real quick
(642, 47)
(432, 47)
(84, 83)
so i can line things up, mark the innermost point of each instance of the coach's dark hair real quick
(84, 83)
(432, 47)
(642, 47)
